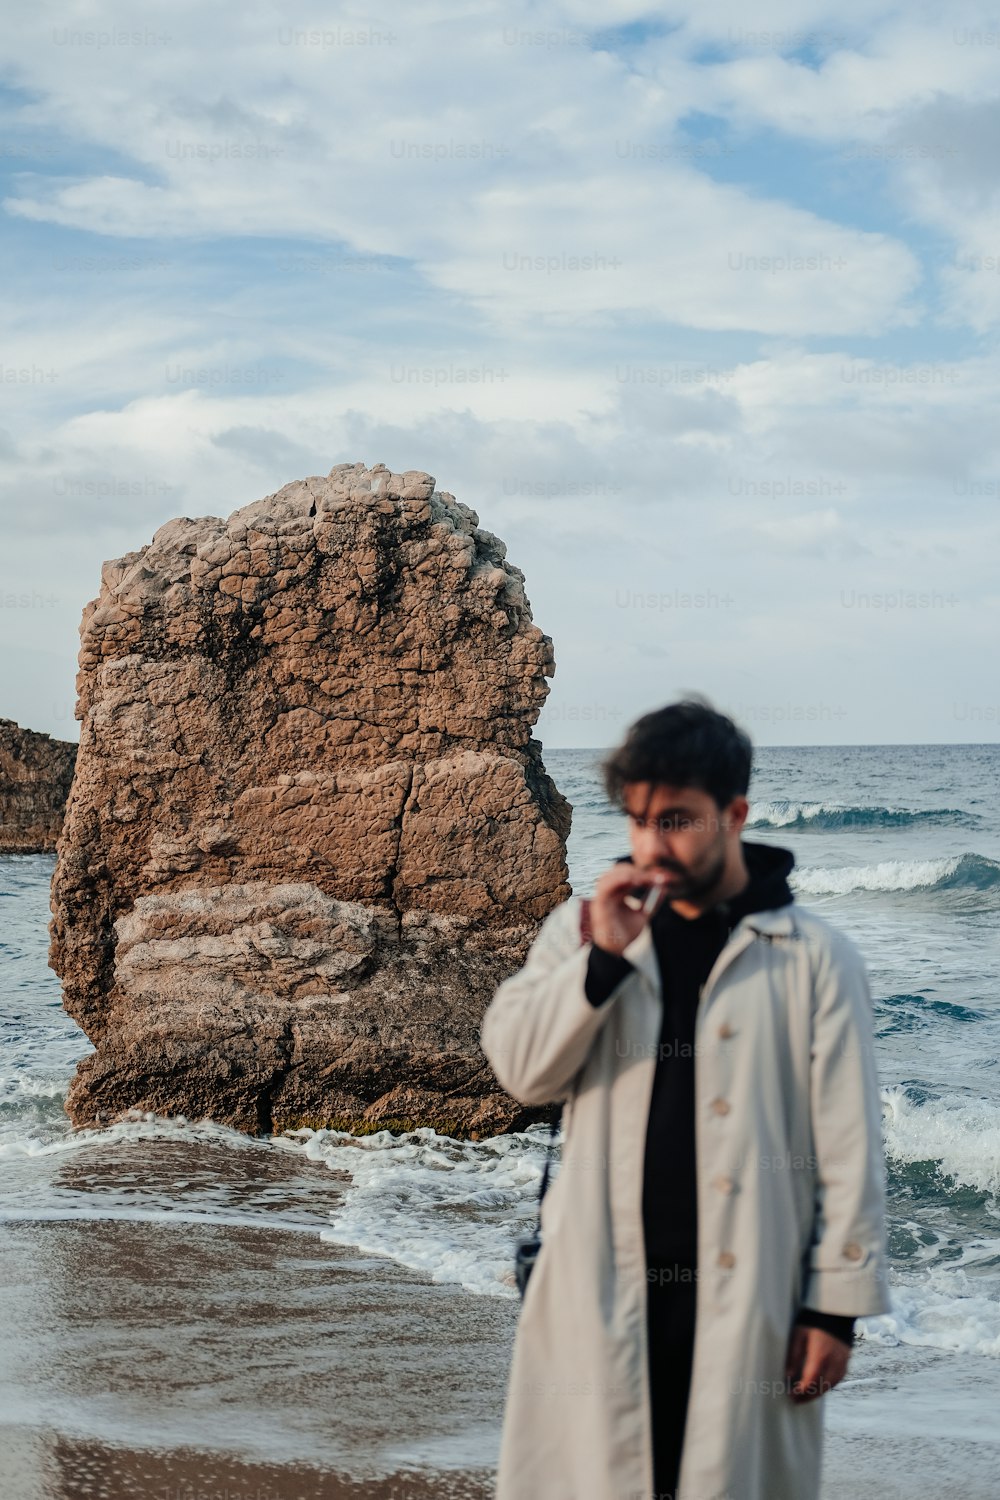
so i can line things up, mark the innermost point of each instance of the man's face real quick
(683, 831)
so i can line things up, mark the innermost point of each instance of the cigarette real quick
(649, 902)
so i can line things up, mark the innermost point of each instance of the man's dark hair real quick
(685, 744)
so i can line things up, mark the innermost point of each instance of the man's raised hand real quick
(614, 922)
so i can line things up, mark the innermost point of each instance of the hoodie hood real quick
(769, 867)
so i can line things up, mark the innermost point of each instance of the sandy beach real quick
(913, 1422)
(193, 1362)
(47, 1466)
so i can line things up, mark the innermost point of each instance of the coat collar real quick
(776, 921)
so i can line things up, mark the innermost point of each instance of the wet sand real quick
(913, 1421)
(226, 1362)
(191, 1361)
(46, 1466)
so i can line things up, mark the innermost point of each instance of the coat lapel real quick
(641, 953)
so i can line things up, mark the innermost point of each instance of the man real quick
(718, 1219)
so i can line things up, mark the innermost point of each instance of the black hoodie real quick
(686, 949)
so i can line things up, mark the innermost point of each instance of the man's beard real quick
(690, 887)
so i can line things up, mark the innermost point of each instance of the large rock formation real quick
(310, 831)
(36, 772)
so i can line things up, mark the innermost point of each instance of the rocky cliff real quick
(310, 830)
(36, 772)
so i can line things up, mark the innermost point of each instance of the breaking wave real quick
(832, 815)
(960, 872)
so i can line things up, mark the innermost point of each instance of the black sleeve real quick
(605, 972)
(840, 1327)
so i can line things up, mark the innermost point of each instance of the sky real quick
(696, 307)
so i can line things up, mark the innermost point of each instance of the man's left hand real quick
(816, 1361)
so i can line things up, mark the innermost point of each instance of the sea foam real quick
(961, 1136)
(450, 1208)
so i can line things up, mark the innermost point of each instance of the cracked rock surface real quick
(35, 776)
(310, 830)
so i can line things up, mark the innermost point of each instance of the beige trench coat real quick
(790, 1195)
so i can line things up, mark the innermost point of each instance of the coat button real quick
(726, 1259)
(725, 1031)
(721, 1106)
(724, 1184)
(853, 1250)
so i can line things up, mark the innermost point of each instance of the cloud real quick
(679, 248)
(684, 305)
(524, 216)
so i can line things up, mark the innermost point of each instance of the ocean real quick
(897, 845)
